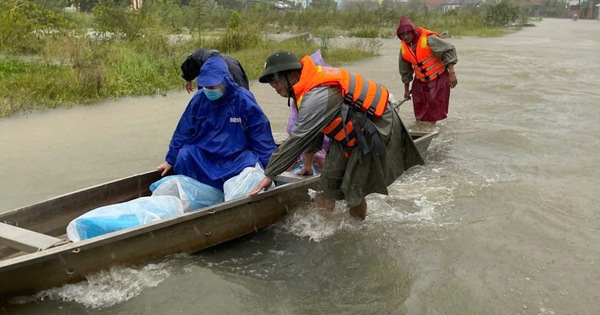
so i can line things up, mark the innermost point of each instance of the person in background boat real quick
(222, 131)
(358, 163)
(190, 68)
(432, 61)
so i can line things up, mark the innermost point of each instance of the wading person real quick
(318, 158)
(369, 148)
(222, 131)
(190, 68)
(432, 61)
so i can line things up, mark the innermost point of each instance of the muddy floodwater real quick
(503, 219)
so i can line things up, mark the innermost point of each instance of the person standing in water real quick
(431, 60)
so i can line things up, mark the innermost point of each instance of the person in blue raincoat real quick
(222, 131)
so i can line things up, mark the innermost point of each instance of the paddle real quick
(397, 104)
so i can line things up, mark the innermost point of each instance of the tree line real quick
(107, 49)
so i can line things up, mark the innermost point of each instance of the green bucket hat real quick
(279, 62)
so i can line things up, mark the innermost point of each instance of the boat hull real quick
(26, 273)
(190, 232)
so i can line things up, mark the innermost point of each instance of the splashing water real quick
(105, 288)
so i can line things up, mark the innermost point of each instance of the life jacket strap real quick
(360, 137)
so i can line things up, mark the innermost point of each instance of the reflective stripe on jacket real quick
(364, 94)
(426, 65)
(335, 130)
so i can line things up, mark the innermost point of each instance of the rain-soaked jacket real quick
(364, 95)
(349, 178)
(216, 140)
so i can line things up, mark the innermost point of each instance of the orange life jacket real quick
(426, 65)
(359, 92)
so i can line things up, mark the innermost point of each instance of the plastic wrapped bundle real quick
(240, 185)
(124, 215)
(193, 194)
(171, 196)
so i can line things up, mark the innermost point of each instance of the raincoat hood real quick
(214, 72)
(406, 25)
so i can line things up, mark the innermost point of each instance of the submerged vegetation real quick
(52, 57)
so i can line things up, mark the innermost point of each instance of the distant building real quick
(307, 3)
(434, 3)
(303, 3)
(449, 5)
(72, 8)
(280, 5)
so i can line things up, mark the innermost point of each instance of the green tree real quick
(86, 5)
(55, 5)
(554, 8)
(503, 13)
(24, 25)
(587, 8)
(119, 21)
(232, 4)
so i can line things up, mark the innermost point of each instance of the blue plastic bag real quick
(193, 194)
(123, 215)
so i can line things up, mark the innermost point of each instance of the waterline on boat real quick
(105, 288)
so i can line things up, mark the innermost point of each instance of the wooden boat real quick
(36, 254)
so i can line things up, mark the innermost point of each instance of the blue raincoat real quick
(216, 140)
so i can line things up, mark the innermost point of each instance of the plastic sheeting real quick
(124, 215)
(192, 193)
(239, 186)
(171, 196)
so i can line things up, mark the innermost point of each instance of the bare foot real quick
(423, 126)
(360, 211)
(323, 205)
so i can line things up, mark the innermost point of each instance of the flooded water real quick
(503, 219)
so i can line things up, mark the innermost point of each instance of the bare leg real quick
(359, 211)
(324, 204)
(422, 126)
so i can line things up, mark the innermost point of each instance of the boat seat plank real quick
(25, 240)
